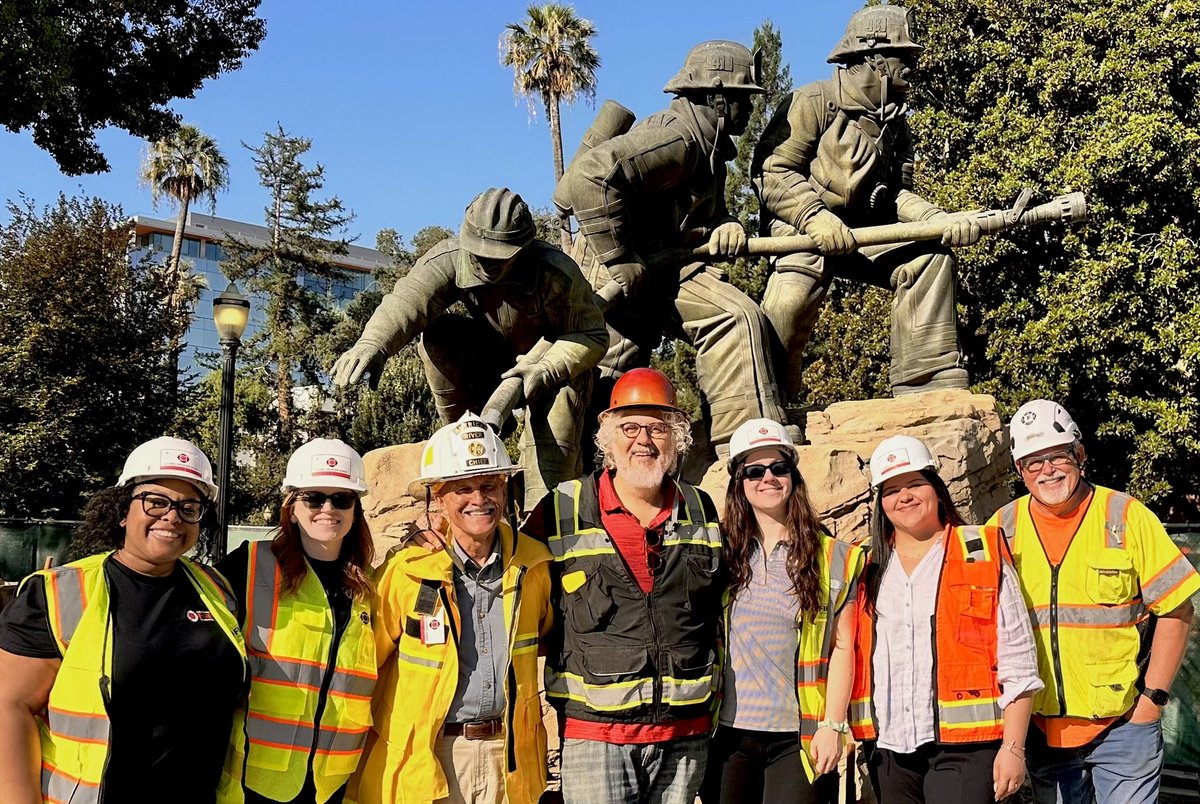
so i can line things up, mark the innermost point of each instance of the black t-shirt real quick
(176, 682)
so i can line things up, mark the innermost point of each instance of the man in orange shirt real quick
(1109, 595)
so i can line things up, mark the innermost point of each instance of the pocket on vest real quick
(589, 608)
(690, 678)
(702, 568)
(1110, 577)
(1110, 686)
(616, 677)
(967, 681)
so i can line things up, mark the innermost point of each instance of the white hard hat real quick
(466, 448)
(757, 433)
(164, 458)
(325, 462)
(1040, 424)
(897, 455)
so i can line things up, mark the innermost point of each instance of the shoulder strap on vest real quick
(1008, 521)
(216, 580)
(66, 599)
(1114, 519)
(974, 546)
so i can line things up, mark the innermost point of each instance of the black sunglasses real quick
(780, 468)
(315, 500)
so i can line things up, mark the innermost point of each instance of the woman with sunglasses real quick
(121, 671)
(944, 657)
(789, 632)
(306, 600)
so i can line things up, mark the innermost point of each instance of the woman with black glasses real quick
(307, 601)
(788, 633)
(121, 671)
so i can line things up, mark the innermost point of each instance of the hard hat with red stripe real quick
(897, 455)
(326, 463)
(756, 434)
(167, 458)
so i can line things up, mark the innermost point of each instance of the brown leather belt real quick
(475, 730)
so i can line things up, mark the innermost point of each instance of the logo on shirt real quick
(366, 618)
(199, 616)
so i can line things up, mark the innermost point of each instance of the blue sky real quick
(408, 107)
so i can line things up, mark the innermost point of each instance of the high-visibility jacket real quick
(840, 564)
(966, 692)
(289, 637)
(417, 681)
(622, 656)
(75, 732)
(1089, 611)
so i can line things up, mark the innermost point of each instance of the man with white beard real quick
(1094, 566)
(636, 588)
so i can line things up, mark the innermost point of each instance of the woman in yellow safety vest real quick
(944, 655)
(121, 671)
(788, 632)
(306, 598)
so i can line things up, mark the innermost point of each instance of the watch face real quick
(1160, 697)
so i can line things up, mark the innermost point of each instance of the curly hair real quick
(883, 533)
(681, 436)
(101, 528)
(357, 548)
(740, 532)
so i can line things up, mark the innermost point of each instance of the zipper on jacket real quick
(1058, 675)
(658, 665)
(510, 678)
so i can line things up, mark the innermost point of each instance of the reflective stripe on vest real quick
(966, 692)
(58, 786)
(287, 672)
(613, 697)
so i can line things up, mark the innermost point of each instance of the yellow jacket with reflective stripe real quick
(75, 731)
(841, 563)
(1088, 612)
(417, 681)
(289, 640)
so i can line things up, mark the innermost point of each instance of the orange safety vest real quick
(966, 692)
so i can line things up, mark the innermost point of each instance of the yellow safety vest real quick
(75, 731)
(1088, 611)
(417, 681)
(290, 638)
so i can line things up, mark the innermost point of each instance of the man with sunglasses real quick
(637, 581)
(1109, 594)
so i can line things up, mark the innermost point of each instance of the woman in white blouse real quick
(945, 659)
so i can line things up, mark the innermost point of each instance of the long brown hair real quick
(358, 549)
(740, 530)
(883, 532)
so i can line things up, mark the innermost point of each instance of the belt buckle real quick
(481, 729)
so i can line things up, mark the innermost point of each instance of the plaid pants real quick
(656, 773)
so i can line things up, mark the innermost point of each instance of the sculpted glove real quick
(536, 380)
(832, 236)
(359, 358)
(727, 240)
(630, 275)
(964, 231)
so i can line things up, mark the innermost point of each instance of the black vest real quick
(622, 656)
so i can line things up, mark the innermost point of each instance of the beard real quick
(640, 472)
(1057, 494)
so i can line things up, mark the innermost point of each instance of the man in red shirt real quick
(636, 589)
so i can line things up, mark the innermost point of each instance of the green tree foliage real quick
(553, 60)
(84, 354)
(1100, 98)
(72, 67)
(751, 274)
(294, 270)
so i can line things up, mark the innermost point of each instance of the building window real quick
(214, 252)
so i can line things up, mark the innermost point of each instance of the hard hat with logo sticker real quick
(897, 455)
(1040, 424)
(166, 458)
(326, 462)
(466, 448)
(755, 434)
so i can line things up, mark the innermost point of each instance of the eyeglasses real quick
(315, 500)
(1038, 462)
(757, 471)
(156, 505)
(658, 431)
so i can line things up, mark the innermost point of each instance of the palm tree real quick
(552, 58)
(185, 167)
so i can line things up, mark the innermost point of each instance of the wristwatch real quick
(1159, 697)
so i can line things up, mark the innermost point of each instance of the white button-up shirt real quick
(902, 664)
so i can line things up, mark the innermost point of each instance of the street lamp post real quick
(231, 312)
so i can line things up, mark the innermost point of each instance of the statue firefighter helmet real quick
(875, 29)
(718, 66)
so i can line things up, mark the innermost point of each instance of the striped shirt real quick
(760, 668)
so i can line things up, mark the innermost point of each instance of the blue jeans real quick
(1122, 765)
(655, 773)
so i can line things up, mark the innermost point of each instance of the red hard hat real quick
(642, 388)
